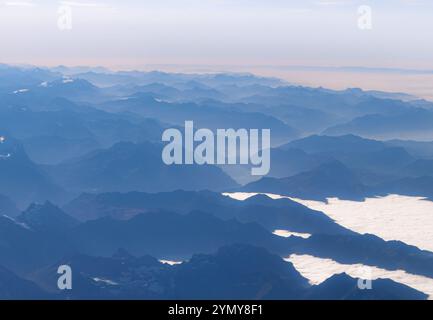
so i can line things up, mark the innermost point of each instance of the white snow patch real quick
(106, 281)
(287, 233)
(170, 262)
(16, 222)
(21, 91)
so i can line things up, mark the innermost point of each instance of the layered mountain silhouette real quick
(355, 152)
(327, 180)
(166, 234)
(233, 272)
(343, 287)
(52, 136)
(271, 214)
(46, 218)
(204, 116)
(23, 181)
(127, 166)
(412, 124)
(82, 183)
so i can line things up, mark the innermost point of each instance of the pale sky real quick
(133, 34)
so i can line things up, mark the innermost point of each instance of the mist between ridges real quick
(223, 147)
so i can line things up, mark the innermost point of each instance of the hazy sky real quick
(133, 34)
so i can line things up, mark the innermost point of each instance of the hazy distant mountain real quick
(67, 131)
(190, 91)
(335, 144)
(46, 218)
(55, 149)
(203, 116)
(70, 88)
(331, 179)
(284, 163)
(40, 95)
(421, 149)
(78, 69)
(128, 167)
(52, 136)
(22, 180)
(23, 123)
(421, 186)
(367, 157)
(344, 104)
(288, 162)
(413, 124)
(16, 78)
(305, 120)
(175, 79)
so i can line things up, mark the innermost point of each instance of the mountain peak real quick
(46, 217)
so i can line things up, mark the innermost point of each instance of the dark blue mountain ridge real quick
(221, 274)
(46, 217)
(343, 287)
(271, 214)
(369, 250)
(13, 287)
(167, 235)
(345, 247)
(24, 250)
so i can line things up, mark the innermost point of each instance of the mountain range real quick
(82, 183)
